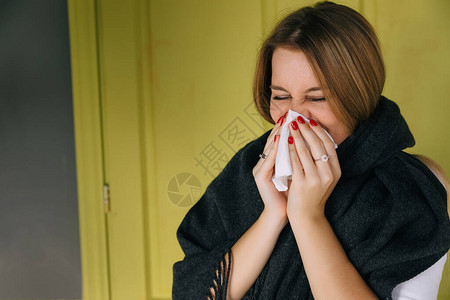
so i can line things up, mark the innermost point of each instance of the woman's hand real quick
(275, 202)
(312, 180)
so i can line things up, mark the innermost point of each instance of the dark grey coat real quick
(388, 210)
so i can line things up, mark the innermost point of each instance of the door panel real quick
(175, 81)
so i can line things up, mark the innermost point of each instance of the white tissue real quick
(283, 170)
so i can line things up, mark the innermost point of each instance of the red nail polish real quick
(275, 138)
(282, 121)
(312, 122)
(300, 120)
(285, 114)
(290, 140)
(294, 125)
(279, 119)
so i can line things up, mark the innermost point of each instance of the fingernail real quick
(275, 138)
(279, 119)
(300, 120)
(294, 125)
(290, 140)
(312, 122)
(285, 114)
(282, 121)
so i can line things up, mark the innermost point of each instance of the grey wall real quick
(39, 236)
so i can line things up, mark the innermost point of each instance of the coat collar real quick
(375, 140)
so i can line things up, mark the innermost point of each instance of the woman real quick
(356, 222)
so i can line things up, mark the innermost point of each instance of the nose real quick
(301, 110)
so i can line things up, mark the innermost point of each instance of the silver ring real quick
(263, 156)
(323, 158)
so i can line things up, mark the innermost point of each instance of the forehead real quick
(292, 69)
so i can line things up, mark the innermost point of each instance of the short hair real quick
(343, 51)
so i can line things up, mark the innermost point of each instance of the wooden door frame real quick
(88, 148)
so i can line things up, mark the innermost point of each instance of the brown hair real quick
(343, 51)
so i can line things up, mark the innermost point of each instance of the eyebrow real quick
(274, 87)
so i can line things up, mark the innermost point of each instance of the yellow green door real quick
(163, 99)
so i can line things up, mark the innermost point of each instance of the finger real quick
(318, 150)
(275, 131)
(303, 152)
(330, 149)
(269, 141)
(296, 165)
(315, 143)
(269, 162)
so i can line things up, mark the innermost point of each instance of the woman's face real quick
(294, 81)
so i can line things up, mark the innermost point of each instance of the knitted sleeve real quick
(412, 234)
(205, 269)
(211, 227)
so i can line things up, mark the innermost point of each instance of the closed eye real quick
(311, 99)
(316, 99)
(280, 98)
